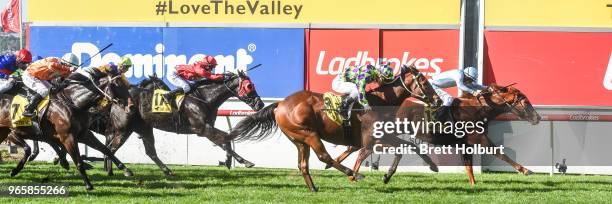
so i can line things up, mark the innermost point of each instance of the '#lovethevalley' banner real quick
(158, 50)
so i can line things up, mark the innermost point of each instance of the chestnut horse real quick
(302, 119)
(492, 102)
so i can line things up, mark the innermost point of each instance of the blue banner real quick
(158, 50)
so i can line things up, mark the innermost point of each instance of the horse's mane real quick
(229, 76)
(151, 80)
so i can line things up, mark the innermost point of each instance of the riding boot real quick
(169, 97)
(30, 109)
(345, 108)
(345, 111)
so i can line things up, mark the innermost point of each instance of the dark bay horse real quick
(302, 119)
(496, 100)
(196, 116)
(66, 120)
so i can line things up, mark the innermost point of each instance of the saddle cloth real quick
(332, 103)
(18, 105)
(159, 105)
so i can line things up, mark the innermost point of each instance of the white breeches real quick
(179, 82)
(446, 98)
(343, 87)
(40, 87)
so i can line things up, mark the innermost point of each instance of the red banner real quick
(431, 51)
(552, 68)
(10, 17)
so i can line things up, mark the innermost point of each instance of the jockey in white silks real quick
(463, 78)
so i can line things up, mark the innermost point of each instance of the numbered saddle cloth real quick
(332, 104)
(159, 105)
(18, 105)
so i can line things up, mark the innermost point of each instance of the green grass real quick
(197, 184)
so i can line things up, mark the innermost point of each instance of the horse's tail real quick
(256, 127)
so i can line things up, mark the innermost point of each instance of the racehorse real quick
(494, 101)
(302, 119)
(66, 120)
(197, 114)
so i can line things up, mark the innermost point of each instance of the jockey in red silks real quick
(185, 75)
(11, 67)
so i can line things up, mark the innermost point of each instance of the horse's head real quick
(244, 89)
(512, 100)
(418, 86)
(115, 89)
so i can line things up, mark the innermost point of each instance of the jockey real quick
(184, 75)
(38, 74)
(353, 81)
(11, 66)
(125, 63)
(464, 78)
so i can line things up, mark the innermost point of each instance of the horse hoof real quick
(65, 165)
(527, 172)
(110, 173)
(249, 164)
(14, 172)
(128, 173)
(358, 176)
(328, 166)
(55, 160)
(170, 174)
(87, 166)
(314, 189)
(386, 179)
(433, 168)
(89, 187)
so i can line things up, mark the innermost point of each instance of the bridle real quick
(415, 79)
(511, 105)
(234, 93)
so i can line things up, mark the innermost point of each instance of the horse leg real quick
(26, 148)
(61, 154)
(344, 155)
(71, 146)
(485, 142)
(303, 155)
(389, 174)
(217, 137)
(398, 141)
(363, 154)
(467, 162)
(235, 155)
(228, 156)
(315, 143)
(90, 140)
(149, 143)
(35, 151)
(113, 143)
